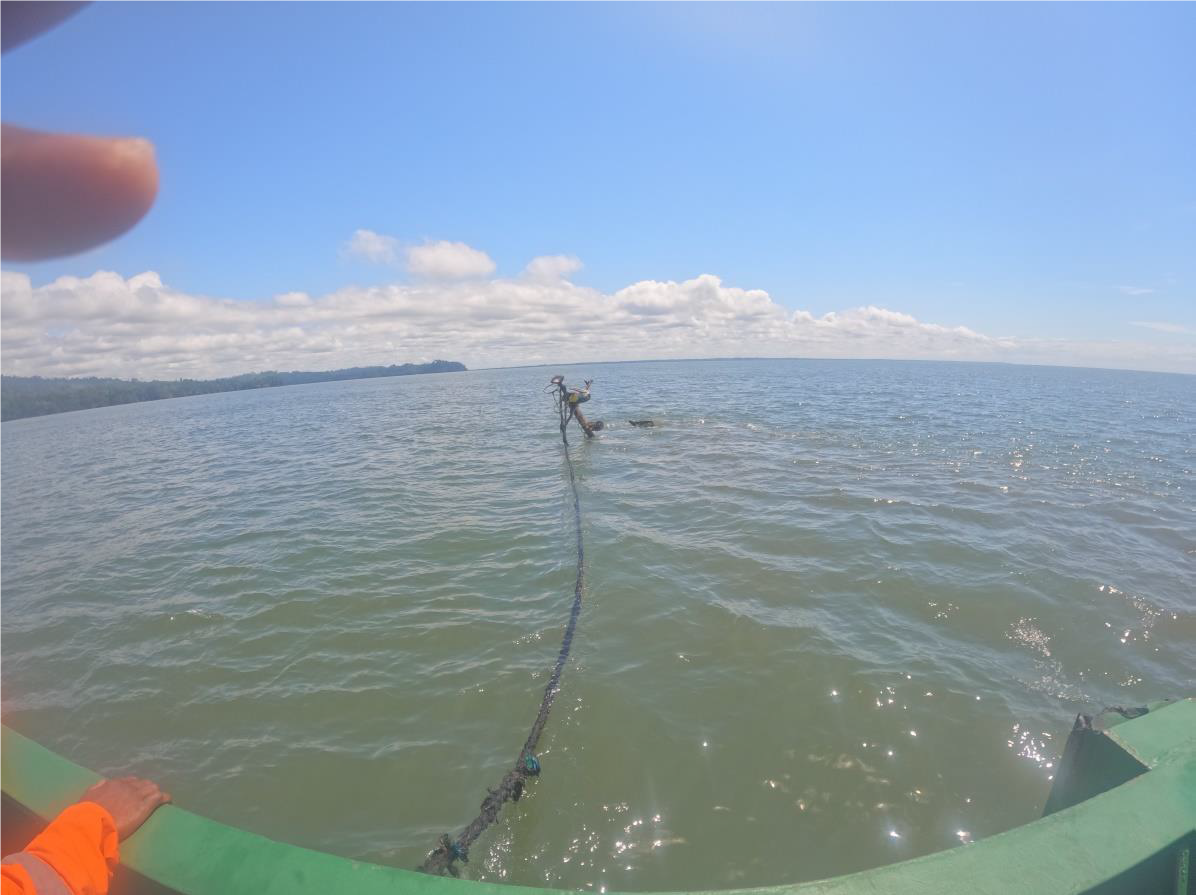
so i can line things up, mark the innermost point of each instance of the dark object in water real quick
(643, 424)
(597, 426)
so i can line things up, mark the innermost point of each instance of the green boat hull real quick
(1121, 818)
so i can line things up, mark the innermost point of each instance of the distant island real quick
(22, 396)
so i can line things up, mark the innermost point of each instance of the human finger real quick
(22, 20)
(65, 193)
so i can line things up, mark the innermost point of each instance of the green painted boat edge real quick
(1135, 837)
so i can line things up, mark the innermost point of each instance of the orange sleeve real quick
(14, 880)
(81, 845)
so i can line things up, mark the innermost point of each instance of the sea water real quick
(839, 613)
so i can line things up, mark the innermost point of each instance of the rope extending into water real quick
(443, 859)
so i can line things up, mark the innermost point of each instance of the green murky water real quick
(839, 613)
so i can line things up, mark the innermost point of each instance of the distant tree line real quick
(22, 396)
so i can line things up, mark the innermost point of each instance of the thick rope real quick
(443, 859)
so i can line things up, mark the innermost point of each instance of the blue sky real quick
(1025, 171)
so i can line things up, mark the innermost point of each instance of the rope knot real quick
(452, 851)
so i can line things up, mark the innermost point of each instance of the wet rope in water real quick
(443, 859)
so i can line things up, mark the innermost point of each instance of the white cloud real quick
(1135, 290)
(448, 261)
(552, 267)
(1163, 327)
(372, 247)
(110, 326)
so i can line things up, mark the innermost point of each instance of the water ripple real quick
(839, 613)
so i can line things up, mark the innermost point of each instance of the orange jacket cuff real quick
(14, 880)
(81, 844)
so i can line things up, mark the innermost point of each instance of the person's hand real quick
(129, 800)
(65, 193)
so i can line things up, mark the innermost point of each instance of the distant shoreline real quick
(27, 396)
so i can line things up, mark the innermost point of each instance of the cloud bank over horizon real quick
(107, 325)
